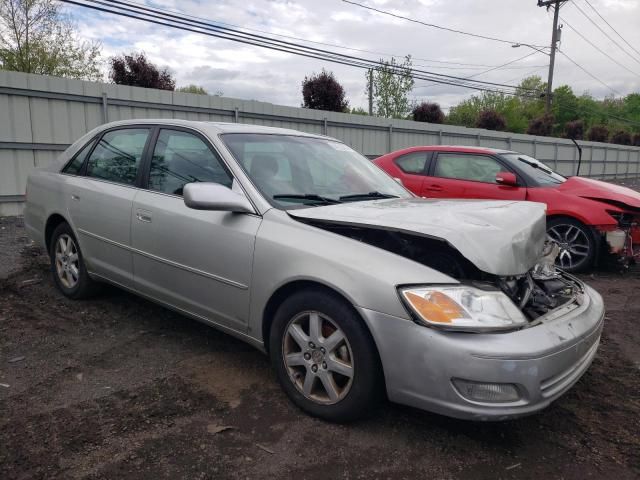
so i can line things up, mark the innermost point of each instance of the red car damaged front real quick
(611, 210)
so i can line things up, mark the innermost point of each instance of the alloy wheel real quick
(573, 242)
(67, 261)
(318, 357)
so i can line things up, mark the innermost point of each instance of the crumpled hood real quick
(597, 190)
(498, 237)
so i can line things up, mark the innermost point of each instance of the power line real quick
(616, 32)
(587, 72)
(440, 27)
(270, 43)
(605, 33)
(599, 49)
(157, 16)
(490, 70)
(461, 65)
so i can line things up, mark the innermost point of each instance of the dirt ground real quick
(119, 388)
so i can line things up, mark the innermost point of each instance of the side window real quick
(413, 162)
(478, 168)
(117, 155)
(75, 165)
(180, 158)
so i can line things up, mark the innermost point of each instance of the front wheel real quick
(324, 357)
(576, 242)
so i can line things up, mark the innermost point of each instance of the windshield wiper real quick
(536, 165)
(306, 196)
(368, 195)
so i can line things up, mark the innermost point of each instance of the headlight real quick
(463, 308)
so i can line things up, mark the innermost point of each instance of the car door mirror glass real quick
(213, 196)
(507, 178)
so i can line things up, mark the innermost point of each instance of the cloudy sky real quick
(250, 72)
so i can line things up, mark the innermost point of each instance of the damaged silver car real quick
(300, 246)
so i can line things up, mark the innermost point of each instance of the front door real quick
(463, 175)
(198, 261)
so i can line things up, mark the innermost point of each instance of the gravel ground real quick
(117, 387)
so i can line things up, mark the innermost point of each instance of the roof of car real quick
(213, 127)
(451, 148)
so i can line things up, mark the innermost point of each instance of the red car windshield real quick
(537, 170)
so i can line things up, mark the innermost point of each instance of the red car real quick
(587, 218)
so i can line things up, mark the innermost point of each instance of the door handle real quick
(75, 197)
(143, 216)
(435, 188)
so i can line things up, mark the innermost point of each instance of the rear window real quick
(75, 165)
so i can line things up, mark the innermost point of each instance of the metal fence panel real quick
(41, 115)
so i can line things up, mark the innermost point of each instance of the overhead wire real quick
(605, 33)
(158, 17)
(440, 27)
(611, 27)
(598, 48)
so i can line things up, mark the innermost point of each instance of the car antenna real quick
(579, 156)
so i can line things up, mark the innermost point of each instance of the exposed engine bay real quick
(542, 289)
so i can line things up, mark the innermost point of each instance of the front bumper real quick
(543, 361)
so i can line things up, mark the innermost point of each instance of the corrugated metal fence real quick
(40, 116)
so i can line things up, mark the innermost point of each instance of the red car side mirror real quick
(507, 178)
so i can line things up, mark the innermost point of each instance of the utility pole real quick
(371, 91)
(554, 40)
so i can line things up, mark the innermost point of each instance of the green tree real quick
(36, 36)
(564, 106)
(392, 83)
(192, 88)
(358, 111)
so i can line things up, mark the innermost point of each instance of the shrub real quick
(621, 137)
(491, 120)
(428, 112)
(542, 126)
(598, 133)
(574, 129)
(323, 92)
(636, 140)
(137, 71)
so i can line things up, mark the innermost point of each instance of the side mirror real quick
(507, 178)
(213, 196)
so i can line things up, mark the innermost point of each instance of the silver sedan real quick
(301, 247)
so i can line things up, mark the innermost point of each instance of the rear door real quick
(198, 261)
(413, 167)
(466, 175)
(101, 198)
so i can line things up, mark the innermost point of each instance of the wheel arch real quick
(52, 223)
(284, 291)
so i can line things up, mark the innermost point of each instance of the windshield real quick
(537, 170)
(294, 171)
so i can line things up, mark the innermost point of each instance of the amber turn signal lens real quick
(436, 306)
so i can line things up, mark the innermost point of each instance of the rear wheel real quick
(67, 264)
(577, 245)
(324, 357)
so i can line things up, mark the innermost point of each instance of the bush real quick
(135, 70)
(621, 137)
(636, 140)
(428, 112)
(598, 133)
(323, 92)
(574, 129)
(491, 120)
(542, 126)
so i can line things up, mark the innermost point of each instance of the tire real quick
(577, 244)
(338, 381)
(67, 264)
